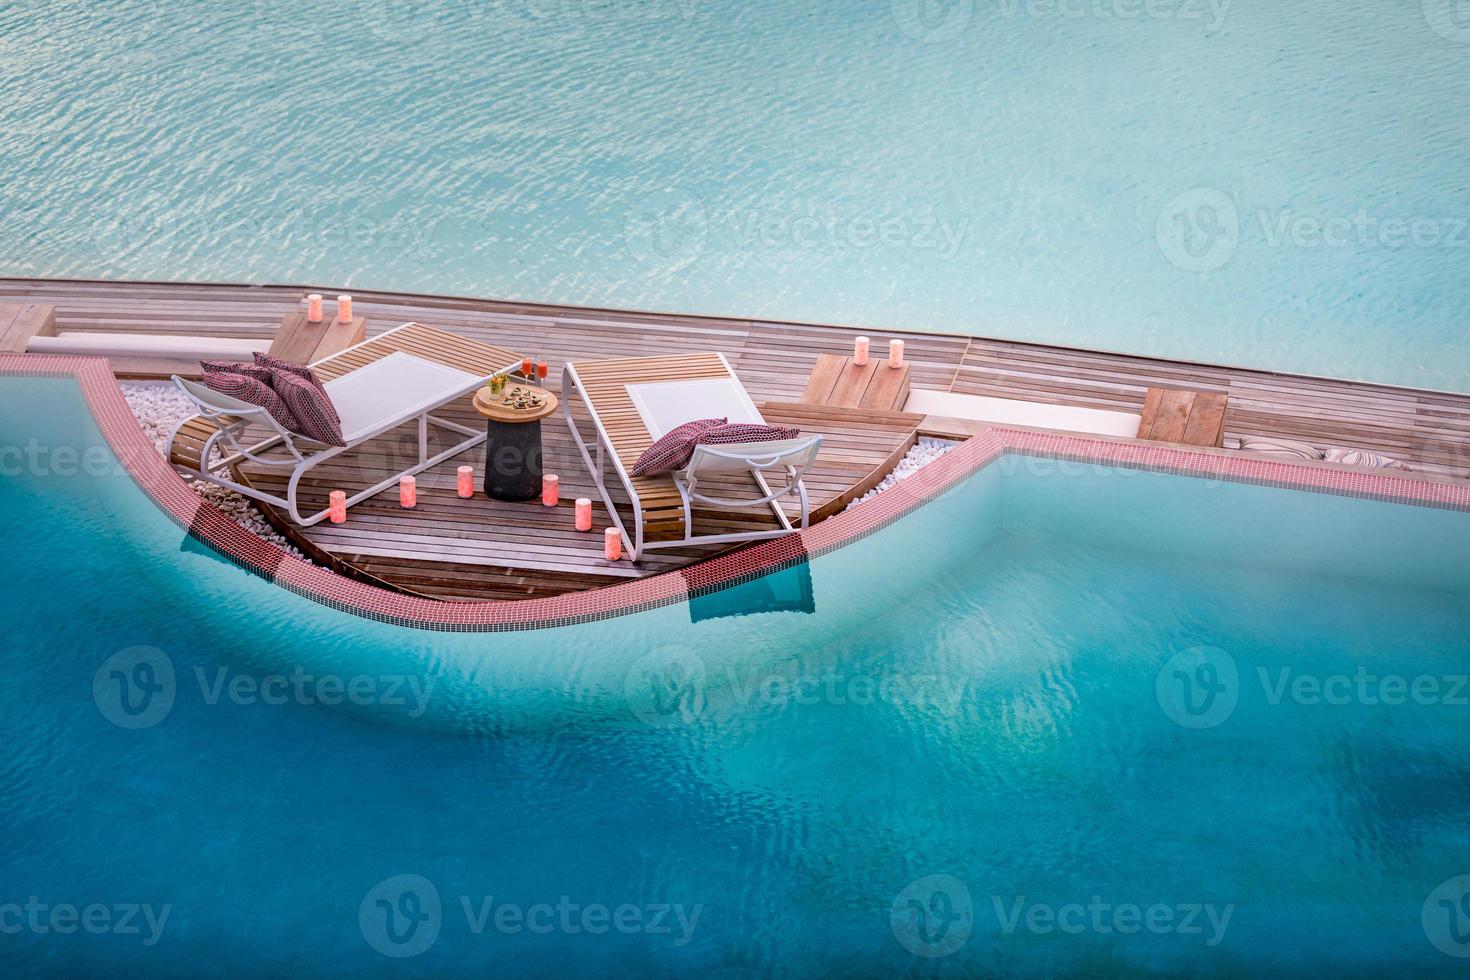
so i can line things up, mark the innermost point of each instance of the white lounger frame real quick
(793, 457)
(301, 458)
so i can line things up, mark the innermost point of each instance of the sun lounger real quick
(634, 401)
(376, 386)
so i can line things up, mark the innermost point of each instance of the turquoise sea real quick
(1240, 181)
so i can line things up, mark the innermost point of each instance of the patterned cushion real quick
(738, 432)
(308, 401)
(1361, 457)
(227, 367)
(254, 391)
(672, 450)
(268, 363)
(1279, 447)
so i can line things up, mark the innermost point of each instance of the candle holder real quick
(344, 309)
(314, 308)
(337, 507)
(895, 353)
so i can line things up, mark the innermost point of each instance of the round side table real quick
(513, 441)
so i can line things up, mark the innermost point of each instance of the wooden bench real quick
(837, 381)
(19, 322)
(1191, 418)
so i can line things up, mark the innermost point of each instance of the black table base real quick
(513, 460)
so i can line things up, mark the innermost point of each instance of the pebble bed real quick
(159, 406)
(925, 451)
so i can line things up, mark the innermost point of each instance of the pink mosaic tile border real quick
(206, 523)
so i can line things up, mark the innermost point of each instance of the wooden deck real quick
(516, 550)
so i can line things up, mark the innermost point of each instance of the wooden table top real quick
(501, 407)
(1193, 418)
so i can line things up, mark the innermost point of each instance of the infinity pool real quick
(1053, 722)
(1252, 182)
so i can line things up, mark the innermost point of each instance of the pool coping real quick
(206, 523)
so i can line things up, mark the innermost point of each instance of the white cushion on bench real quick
(149, 345)
(1008, 411)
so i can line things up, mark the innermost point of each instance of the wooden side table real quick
(300, 341)
(513, 440)
(836, 380)
(1191, 418)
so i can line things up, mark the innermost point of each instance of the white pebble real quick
(925, 451)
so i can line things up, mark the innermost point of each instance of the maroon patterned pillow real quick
(673, 449)
(308, 401)
(254, 391)
(268, 363)
(738, 432)
(226, 367)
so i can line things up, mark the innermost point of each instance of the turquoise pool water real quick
(1053, 698)
(1247, 182)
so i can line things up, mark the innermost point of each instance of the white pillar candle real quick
(344, 309)
(408, 491)
(612, 544)
(314, 308)
(550, 490)
(895, 354)
(584, 514)
(337, 511)
(466, 481)
(860, 351)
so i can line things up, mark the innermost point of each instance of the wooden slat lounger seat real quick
(419, 366)
(662, 512)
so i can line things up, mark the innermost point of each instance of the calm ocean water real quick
(1273, 184)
